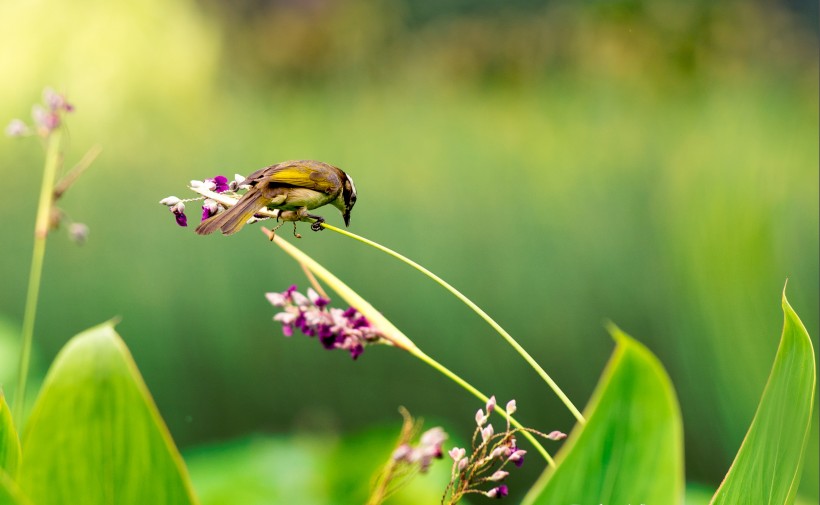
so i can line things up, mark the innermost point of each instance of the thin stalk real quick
(389, 331)
(228, 201)
(497, 327)
(478, 394)
(41, 227)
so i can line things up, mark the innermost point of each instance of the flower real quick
(510, 408)
(498, 475)
(17, 128)
(490, 405)
(491, 456)
(78, 232)
(170, 201)
(556, 435)
(334, 328)
(209, 208)
(178, 209)
(46, 117)
(498, 492)
(457, 453)
(45, 120)
(220, 183)
(56, 102)
(487, 432)
(517, 456)
(428, 449)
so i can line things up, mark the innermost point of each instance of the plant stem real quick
(529, 359)
(387, 328)
(41, 227)
(478, 394)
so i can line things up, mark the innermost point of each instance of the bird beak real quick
(346, 216)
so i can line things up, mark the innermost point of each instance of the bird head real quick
(348, 198)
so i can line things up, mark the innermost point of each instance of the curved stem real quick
(478, 394)
(529, 359)
(390, 332)
(41, 227)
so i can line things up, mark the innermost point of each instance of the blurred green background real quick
(650, 163)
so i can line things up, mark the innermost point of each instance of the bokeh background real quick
(650, 163)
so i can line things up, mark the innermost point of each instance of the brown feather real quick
(233, 219)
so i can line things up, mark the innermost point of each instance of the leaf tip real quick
(616, 333)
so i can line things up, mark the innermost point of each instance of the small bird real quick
(293, 187)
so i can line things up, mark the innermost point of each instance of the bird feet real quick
(317, 225)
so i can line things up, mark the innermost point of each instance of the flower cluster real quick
(46, 117)
(408, 458)
(428, 449)
(335, 328)
(218, 184)
(490, 457)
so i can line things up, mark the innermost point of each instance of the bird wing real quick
(307, 174)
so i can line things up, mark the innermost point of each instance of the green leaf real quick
(9, 443)
(10, 494)
(94, 435)
(630, 450)
(767, 466)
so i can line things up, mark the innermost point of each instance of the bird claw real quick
(317, 225)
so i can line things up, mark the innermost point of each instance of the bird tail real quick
(233, 219)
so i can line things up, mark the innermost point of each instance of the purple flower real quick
(498, 492)
(178, 210)
(46, 121)
(209, 208)
(55, 101)
(517, 456)
(334, 328)
(221, 183)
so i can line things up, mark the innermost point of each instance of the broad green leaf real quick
(630, 450)
(9, 443)
(767, 466)
(94, 435)
(10, 494)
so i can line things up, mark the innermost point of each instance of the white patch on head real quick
(352, 186)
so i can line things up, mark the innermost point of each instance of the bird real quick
(294, 188)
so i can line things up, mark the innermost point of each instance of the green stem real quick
(478, 394)
(529, 359)
(41, 228)
(389, 331)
